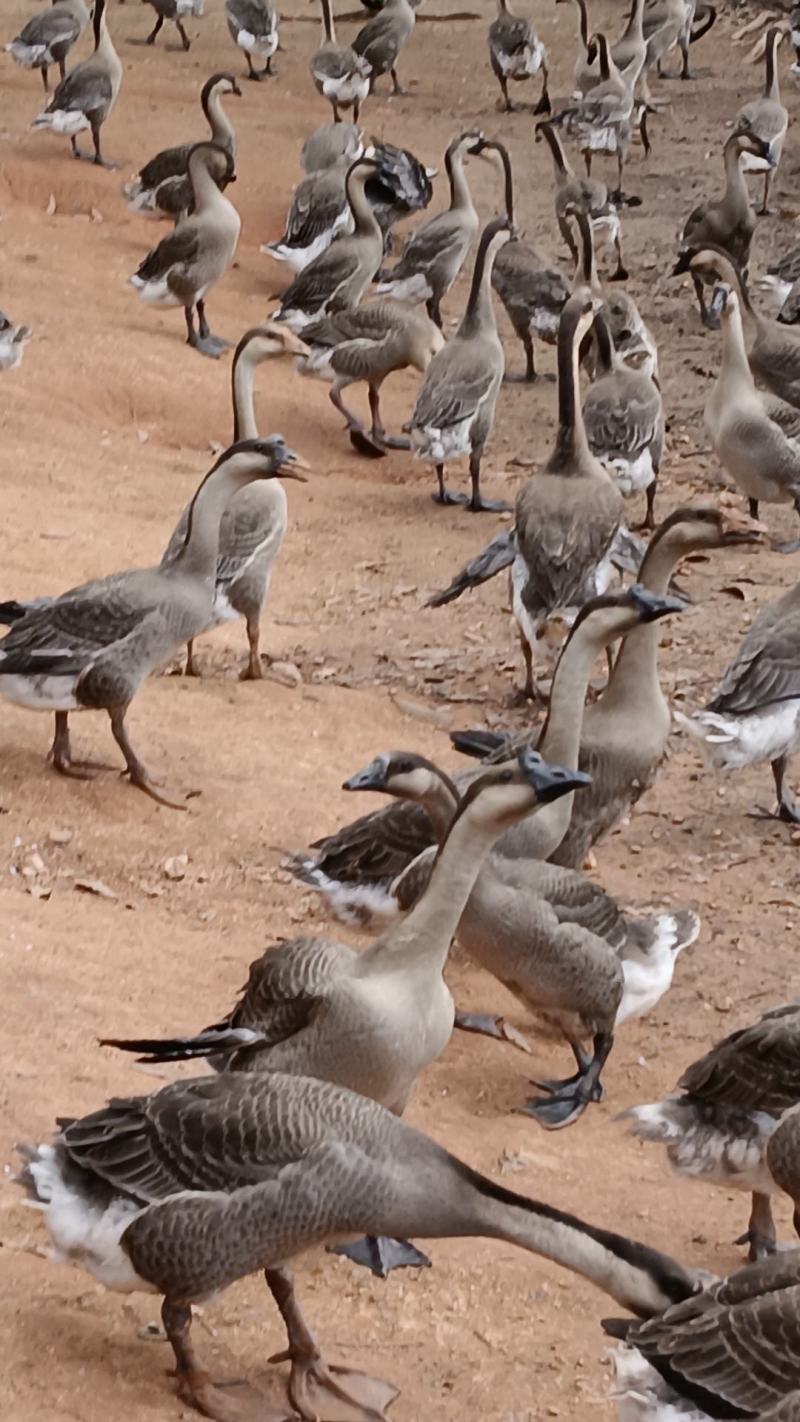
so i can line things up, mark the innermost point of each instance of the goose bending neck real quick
(218, 121)
(198, 556)
(736, 195)
(571, 443)
(460, 195)
(206, 193)
(583, 23)
(772, 85)
(243, 382)
(364, 219)
(563, 170)
(634, 678)
(735, 368)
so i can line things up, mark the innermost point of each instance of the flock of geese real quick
(297, 1139)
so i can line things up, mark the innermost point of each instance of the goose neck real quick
(206, 193)
(460, 195)
(772, 85)
(736, 197)
(605, 346)
(735, 369)
(243, 384)
(634, 679)
(219, 123)
(198, 556)
(633, 29)
(479, 317)
(583, 23)
(571, 443)
(562, 168)
(328, 27)
(561, 734)
(364, 219)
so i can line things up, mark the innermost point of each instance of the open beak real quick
(550, 781)
(372, 777)
(295, 463)
(738, 528)
(651, 606)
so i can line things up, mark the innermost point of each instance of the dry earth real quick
(105, 432)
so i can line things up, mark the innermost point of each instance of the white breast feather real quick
(732, 742)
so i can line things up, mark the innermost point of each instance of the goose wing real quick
(255, 16)
(622, 418)
(179, 248)
(526, 283)
(458, 380)
(371, 322)
(169, 163)
(440, 238)
(316, 203)
(313, 287)
(76, 627)
(373, 849)
(50, 27)
(787, 268)
(766, 668)
(510, 35)
(786, 416)
(562, 539)
(401, 181)
(87, 87)
(756, 1068)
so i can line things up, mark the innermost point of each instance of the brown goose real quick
(48, 37)
(586, 195)
(340, 75)
(162, 188)
(624, 419)
(767, 119)
(177, 11)
(380, 41)
(517, 53)
(92, 647)
(717, 1125)
(85, 98)
(185, 1191)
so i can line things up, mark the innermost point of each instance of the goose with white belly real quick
(86, 97)
(184, 266)
(516, 53)
(602, 121)
(624, 419)
(48, 37)
(454, 411)
(629, 332)
(253, 27)
(254, 524)
(92, 647)
(177, 11)
(567, 515)
(718, 1124)
(767, 119)
(339, 74)
(727, 223)
(586, 195)
(343, 271)
(162, 187)
(380, 41)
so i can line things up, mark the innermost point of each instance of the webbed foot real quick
(381, 1254)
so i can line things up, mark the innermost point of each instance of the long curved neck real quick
(585, 268)
(560, 740)
(583, 23)
(328, 28)
(633, 29)
(604, 58)
(562, 168)
(605, 345)
(634, 679)
(364, 219)
(198, 556)
(736, 197)
(219, 123)
(479, 314)
(206, 193)
(571, 441)
(771, 85)
(460, 195)
(242, 383)
(730, 274)
(735, 368)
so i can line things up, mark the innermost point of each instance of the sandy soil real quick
(105, 432)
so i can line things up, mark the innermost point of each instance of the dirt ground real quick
(106, 430)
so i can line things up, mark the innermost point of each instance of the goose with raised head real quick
(184, 266)
(12, 343)
(755, 436)
(516, 53)
(755, 715)
(177, 11)
(567, 515)
(92, 647)
(340, 75)
(767, 119)
(586, 195)
(718, 1124)
(773, 349)
(624, 418)
(366, 344)
(454, 410)
(602, 121)
(434, 255)
(341, 274)
(48, 37)
(185, 1191)
(254, 524)
(355, 868)
(727, 222)
(162, 188)
(85, 98)
(253, 27)
(624, 733)
(730, 1350)
(307, 1002)
(380, 41)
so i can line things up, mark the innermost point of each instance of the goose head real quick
(273, 338)
(604, 619)
(219, 84)
(507, 792)
(217, 162)
(265, 458)
(693, 528)
(711, 264)
(471, 143)
(747, 142)
(400, 773)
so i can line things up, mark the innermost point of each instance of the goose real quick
(516, 53)
(253, 26)
(366, 344)
(254, 524)
(182, 1192)
(718, 1124)
(628, 331)
(602, 120)
(340, 75)
(755, 714)
(48, 37)
(728, 1351)
(756, 437)
(341, 274)
(767, 119)
(727, 222)
(306, 1003)
(587, 68)
(631, 48)
(782, 1158)
(454, 410)
(434, 255)
(12, 343)
(162, 187)
(698, 20)
(624, 734)
(319, 210)
(624, 419)
(85, 98)
(541, 931)
(355, 868)
(773, 349)
(177, 11)
(666, 24)
(587, 195)
(92, 647)
(184, 266)
(331, 143)
(380, 41)
(567, 516)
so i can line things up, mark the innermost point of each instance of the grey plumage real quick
(48, 37)
(163, 187)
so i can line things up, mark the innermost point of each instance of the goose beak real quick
(738, 528)
(650, 606)
(682, 265)
(719, 300)
(295, 462)
(550, 781)
(294, 346)
(372, 777)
